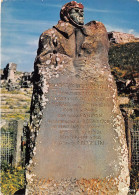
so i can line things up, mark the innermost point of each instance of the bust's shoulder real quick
(47, 33)
(95, 23)
(95, 26)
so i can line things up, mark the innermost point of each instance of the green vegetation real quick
(12, 179)
(124, 62)
(18, 73)
(124, 59)
(15, 116)
(16, 104)
(27, 92)
(4, 91)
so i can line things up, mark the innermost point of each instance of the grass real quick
(12, 179)
(15, 116)
(124, 58)
(19, 103)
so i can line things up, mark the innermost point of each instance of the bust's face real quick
(77, 15)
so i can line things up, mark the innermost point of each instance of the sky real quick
(23, 21)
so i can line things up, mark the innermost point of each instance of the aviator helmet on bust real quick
(73, 12)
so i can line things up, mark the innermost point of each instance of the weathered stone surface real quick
(11, 131)
(9, 71)
(77, 135)
(119, 37)
(123, 100)
(26, 80)
(82, 131)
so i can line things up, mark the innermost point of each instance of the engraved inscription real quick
(77, 124)
(78, 120)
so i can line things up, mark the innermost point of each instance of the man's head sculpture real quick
(73, 13)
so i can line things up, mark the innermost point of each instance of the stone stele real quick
(77, 135)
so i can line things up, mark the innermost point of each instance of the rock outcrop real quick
(119, 37)
(13, 79)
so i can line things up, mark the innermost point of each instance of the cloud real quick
(114, 28)
(100, 10)
(5, 56)
(131, 31)
(17, 50)
(54, 5)
(124, 30)
(33, 43)
(86, 8)
(21, 56)
(27, 22)
(28, 26)
(19, 47)
(20, 41)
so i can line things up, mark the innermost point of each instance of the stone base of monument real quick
(73, 186)
(81, 146)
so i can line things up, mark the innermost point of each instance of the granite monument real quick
(77, 137)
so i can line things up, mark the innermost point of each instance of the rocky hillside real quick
(124, 62)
